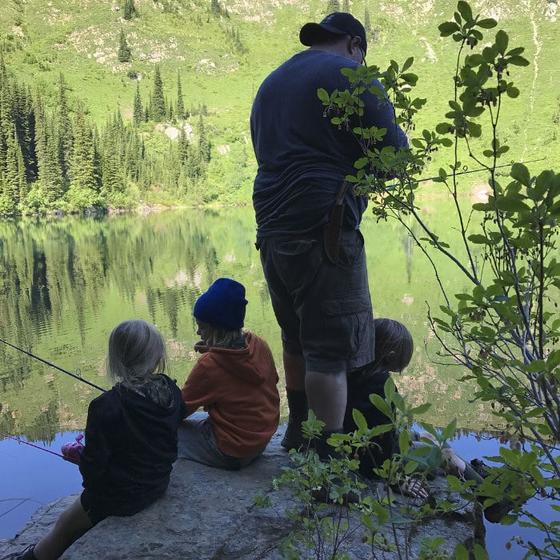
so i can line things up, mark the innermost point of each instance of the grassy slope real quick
(80, 38)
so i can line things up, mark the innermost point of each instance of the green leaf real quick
(520, 173)
(410, 467)
(465, 10)
(449, 430)
(518, 61)
(422, 409)
(487, 23)
(323, 95)
(443, 128)
(410, 78)
(502, 41)
(461, 553)
(512, 92)
(380, 404)
(511, 205)
(404, 442)
(480, 553)
(359, 419)
(479, 239)
(448, 28)
(408, 63)
(361, 163)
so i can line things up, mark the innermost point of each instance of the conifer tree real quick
(64, 130)
(367, 20)
(183, 147)
(27, 135)
(15, 185)
(180, 108)
(138, 112)
(215, 7)
(204, 148)
(129, 10)
(157, 104)
(333, 6)
(124, 53)
(47, 153)
(82, 168)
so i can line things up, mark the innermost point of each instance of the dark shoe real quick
(325, 453)
(496, 512)
(323, 449)
(293, 437)
(297, 405)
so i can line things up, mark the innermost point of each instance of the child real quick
(131, 439)
(234, 380)
(393, 352)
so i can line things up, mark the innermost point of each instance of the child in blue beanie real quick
(234, 381)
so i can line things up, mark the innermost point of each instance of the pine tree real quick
(129, 10)
(138, 114)
(346, 6)
(204, 148)
(333, 6)
(82, 168)
(124, 53)
(15, 185)
(47, 148)
(157, 105)
(367, 20)
(64, 130)
(180, 108)
(183, 147)
(215, 7)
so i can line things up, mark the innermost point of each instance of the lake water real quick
(66, 283)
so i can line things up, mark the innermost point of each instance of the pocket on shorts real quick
(351, 248)
(348, 325)
(298, 261)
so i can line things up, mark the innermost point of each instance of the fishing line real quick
(19, 440)
(74, 375)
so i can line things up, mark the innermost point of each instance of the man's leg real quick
(294, 369)
(327, 394)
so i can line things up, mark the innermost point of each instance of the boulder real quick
(211, 514)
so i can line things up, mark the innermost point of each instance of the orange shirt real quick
(238, 389)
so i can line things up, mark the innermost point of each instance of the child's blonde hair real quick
(136, 352)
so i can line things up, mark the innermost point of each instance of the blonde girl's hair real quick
(136, 353)
(219, 337)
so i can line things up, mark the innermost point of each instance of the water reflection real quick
(66, 283)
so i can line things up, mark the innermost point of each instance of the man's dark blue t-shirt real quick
(302, 157)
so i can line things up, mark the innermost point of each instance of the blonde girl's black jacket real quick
(131, 444)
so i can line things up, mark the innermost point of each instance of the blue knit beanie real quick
(222, 305)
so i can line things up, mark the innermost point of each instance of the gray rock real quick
(209, 514)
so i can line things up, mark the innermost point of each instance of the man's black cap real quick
(337, 23)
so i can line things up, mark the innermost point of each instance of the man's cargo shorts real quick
(323, 307)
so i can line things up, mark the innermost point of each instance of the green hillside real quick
(224, 49)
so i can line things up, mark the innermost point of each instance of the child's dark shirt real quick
(131, 444)
(361, 384)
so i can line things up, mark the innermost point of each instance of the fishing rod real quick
(466, 172)
(19, 440)
(71, 374)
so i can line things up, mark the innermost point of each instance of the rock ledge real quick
(208, 514)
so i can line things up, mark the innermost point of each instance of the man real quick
(319, 292)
